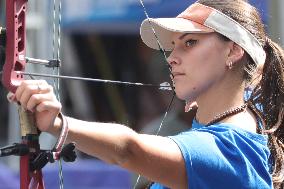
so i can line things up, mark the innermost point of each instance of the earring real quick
(230, 65)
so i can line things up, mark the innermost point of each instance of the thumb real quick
(11, 97)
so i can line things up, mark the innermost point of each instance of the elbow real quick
(126, 153)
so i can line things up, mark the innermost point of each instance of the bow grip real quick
(15, 44)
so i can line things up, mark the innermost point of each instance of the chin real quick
(186, 94)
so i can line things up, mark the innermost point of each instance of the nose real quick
(173, 60)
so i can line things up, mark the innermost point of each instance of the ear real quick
(235, 54)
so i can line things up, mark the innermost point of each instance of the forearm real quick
(152, 156)
(107, 141)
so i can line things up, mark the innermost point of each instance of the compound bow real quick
(32, 158)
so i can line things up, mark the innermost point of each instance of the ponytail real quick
(268, 99)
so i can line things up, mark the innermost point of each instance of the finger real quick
(51, 106)
(28, 90)
(35, 85)
(36, 99)
(24, 84)
(189, 105)
(19, 90)
(26, 94)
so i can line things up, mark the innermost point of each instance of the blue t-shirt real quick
(223, 156)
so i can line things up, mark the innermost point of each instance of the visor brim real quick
(164, 29)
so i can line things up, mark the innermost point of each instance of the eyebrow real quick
(181, 37)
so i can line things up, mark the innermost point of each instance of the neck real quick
(219, 99)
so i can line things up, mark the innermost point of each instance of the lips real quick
(177, 74)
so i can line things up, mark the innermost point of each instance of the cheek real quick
(213, 60)
(203, 71)
(210, 64)
(186, 88)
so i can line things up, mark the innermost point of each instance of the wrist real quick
(57, 125)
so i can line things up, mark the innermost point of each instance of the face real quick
(198, 63)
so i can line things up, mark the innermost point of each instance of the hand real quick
(189, 105)
(38, 97)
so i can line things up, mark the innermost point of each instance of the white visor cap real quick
(199, 18)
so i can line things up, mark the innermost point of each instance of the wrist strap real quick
(62, 137)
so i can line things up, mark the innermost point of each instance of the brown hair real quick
(267, 98)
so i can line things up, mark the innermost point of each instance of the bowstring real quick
(56, 55)
(56, 70)
(163, 52)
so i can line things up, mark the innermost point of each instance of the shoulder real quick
(221, 137)
(224, 151)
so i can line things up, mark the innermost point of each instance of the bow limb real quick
(15, 61)
(15, 43)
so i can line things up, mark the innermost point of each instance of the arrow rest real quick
(55, 63)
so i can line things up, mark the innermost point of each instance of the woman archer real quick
(219, 48)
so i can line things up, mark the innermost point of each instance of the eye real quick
(190, 42)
